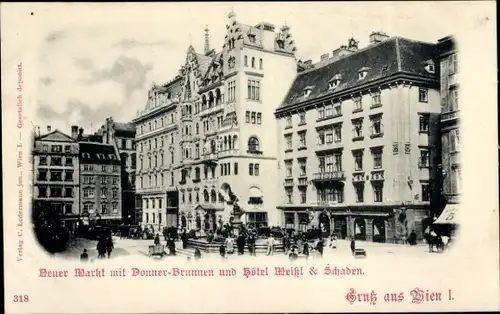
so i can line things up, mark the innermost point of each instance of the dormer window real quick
(307, 91)
(112, 157)
(86, 155)
(335, 81)
(429, 66)
(100, 156)
(362, 73)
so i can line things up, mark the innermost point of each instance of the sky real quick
(99, 60)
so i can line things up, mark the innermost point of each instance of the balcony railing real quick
(377, 175)
(229, 152)
(288, 183)
(302, 182)
(209, 158)
(328, 176)
(450, 115)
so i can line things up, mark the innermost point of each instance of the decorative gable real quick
(363, 72)
(335, 81)
(307, 91)
(56, 136)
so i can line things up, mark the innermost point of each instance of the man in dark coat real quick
(353, 246)
(319, 246)
(84, 257)
(241, 244)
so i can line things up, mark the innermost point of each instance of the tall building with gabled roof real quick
(56, 185)
(359, 140)
(224, 150)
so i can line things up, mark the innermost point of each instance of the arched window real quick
(253, 62)
(253, 145)
(225, 142)
(218, 97)
(213, 147)
(197, 173)
(235, 146)
(261, 64)
(206, 197)
(197, 128)
(210, 99)
(213, 196)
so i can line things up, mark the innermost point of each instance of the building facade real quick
(100, 186)
(359, 141)
(56, 175)
(228, 137)
(450, 122)
(157, 154)
(123, 136)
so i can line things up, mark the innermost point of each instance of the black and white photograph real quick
(277, 134)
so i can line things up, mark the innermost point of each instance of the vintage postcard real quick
(250, 157)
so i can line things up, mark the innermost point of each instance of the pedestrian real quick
(230, 245)
(197, 254)
(319, 247)
(184, 239)
(412, 239)
(305, 251)
(333, 241)
(109, 246)
(353, 245)
(171, 246)
(222, 251)
(286, 243)
(101, 248)
(241, 244)
(157, 239)
(270, 244)
(84, 257)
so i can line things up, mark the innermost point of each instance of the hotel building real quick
(56, 175)
(359, 139)
(450, 125)
(157, 154)
(225, 147)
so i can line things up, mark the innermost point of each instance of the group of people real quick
(104, 248)
(170, 243)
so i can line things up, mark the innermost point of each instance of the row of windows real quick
(125, 143)
(253, 117)
(55, 175)
(87, 179)
(334, 109)
(89, 207)
(333, 162)
(90, 193)
(158, 142)
(56, 161)
(156, 123)
(252, 63)
(55, 191)
(103, 168)
(336, 194)
(56, 148)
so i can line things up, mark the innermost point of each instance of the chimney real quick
(38, 131)
(340, 52)
(352, 44)
(378, 37)
(207, 41)
(325, 56)
(49, 128)
(308, 64)
(74, 131)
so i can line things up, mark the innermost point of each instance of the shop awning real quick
(448, 216)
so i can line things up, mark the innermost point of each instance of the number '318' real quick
(21, 298)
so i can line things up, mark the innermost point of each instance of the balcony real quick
(182, 182)
(423, 162)
(186, 117)
(303, 182)
(229, 152)
(196, 180)
(328, 176)
(209, 158)
(358, 177)
(377, 175)
(450, 116)
(377, 131)
(288, 183)
(152, 189)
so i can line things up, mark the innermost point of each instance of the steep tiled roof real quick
(97, 153)
(395, 55)
(203, 62)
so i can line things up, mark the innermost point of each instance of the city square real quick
(366, 151)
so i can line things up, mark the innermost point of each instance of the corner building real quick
(228, 137)
(359, 139)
